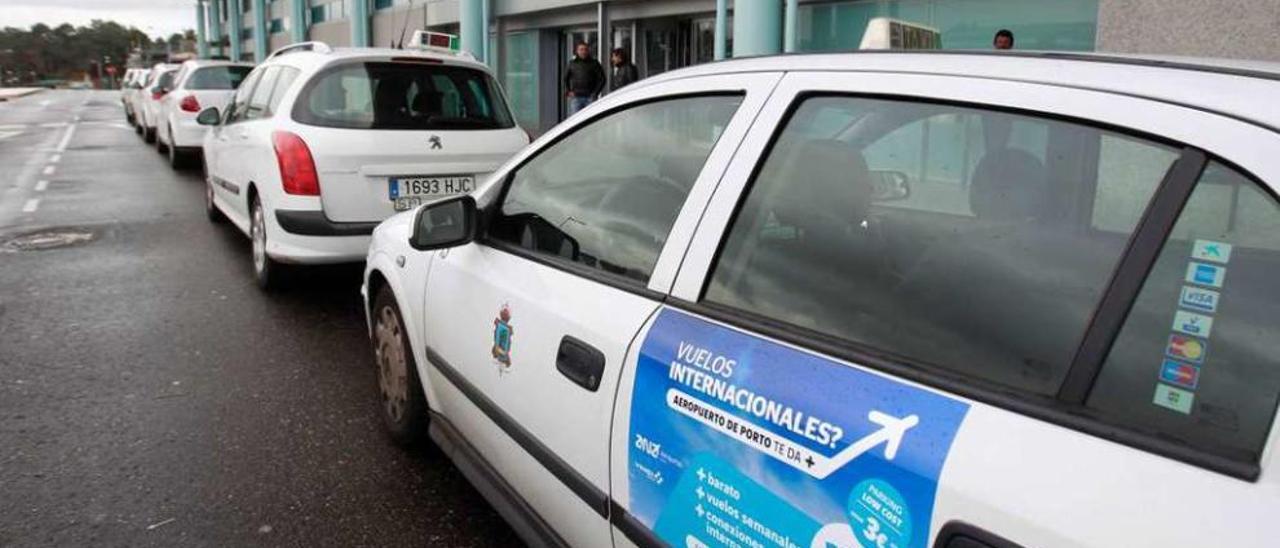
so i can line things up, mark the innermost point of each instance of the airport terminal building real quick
(529, 42)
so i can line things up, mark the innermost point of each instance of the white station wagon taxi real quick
(878, 300)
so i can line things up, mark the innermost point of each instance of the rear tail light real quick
(297, 168)
(157, 95)
(190, 104)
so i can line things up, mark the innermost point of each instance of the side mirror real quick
(889, 185)
(209, 117)
(450, 222)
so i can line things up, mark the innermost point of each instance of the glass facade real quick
(965, 24)
(520, 80)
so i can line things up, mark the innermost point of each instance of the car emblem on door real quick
(502, 333)
(435, 142)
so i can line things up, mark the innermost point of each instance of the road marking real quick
(45, 103)
(54, 124)
(31, 205)
(66, 138)
(48, 170)
(55, 158)
(41, 185)
(11, 127)
(7, 134)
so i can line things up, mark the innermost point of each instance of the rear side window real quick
(605, 196)
(390, 95)
(262, 95)
(965, 254)
(165, 80)
(211, 78)
(1194, 360)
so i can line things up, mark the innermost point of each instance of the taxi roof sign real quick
(435, 41)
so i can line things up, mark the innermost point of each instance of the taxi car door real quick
(939, 311)
(526, 329)
(225, 157)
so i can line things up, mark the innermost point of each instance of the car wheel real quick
(266, 270)
(148, 135)
(404, 407)
(177, 160)
(160, 146)
(211, 209)
(137, 126)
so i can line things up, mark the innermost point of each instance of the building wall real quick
(387, 24)
(334, 33)
(1245, 29)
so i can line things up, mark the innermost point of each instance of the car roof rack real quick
(318, 47)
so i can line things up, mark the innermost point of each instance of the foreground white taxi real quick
(197, 85)
(319, 145)
(878, 300)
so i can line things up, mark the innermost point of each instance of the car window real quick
(164, 81)
(240, 104)
(606, 195)
(221, 77)
(403, 96)
(283, 81)
(975, 269)
(1193, 361)
(261, 97)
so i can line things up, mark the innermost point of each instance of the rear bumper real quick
(187, 134)
(314, 223)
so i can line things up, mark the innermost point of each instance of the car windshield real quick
(226, 77)
(402, 95)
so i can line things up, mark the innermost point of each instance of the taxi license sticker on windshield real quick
(740, 441)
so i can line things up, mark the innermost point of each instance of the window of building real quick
(605, 196)
(521, 78)
(1194, 361)
(954, 250)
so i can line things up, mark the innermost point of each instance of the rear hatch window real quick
(398, 95)
(218, 77)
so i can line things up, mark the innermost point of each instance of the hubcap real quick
(393, 378)
(259, 239)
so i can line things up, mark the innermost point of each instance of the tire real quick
(160, 146)
(177, 159)
(402, 404)
(211, 210)
(268, 273)
(148, 135)
(137, 127)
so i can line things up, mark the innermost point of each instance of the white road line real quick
(31, 205)
(66, 138)
(7, 134)
(55, 158)
(41, 185)
(45, 103)
(54, 124)
(48, 170)
(10, 127)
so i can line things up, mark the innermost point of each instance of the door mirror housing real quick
(450, 222)
(209, 117)
(889, 185)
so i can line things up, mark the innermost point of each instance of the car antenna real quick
(400, 43)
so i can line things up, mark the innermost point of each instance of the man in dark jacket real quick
(583, 80)
(623, 71)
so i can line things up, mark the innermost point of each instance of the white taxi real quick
(320, 144)
(877, 299)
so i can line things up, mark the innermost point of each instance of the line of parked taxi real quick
(878, 300)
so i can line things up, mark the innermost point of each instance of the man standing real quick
(583, 80)
(623, 71)
(1003, 39)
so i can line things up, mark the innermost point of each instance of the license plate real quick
(411, 192)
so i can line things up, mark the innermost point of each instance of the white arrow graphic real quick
(891, 431)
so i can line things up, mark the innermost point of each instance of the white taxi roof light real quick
(435, 41)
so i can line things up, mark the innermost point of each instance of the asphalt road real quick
(151, 395)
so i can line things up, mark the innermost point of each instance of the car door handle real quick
(580, 362)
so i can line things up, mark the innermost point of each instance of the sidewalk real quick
(7, 94)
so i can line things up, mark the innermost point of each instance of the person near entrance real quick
(584, 79)
(623, 71)
(1003, 39)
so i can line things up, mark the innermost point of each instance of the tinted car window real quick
(1194, 361)
(218, 77)
(258, 102)
(606, 195)
(403, 96)
(871, 234)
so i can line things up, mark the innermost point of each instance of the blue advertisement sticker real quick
(740, 441)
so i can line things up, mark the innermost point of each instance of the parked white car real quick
(319, 145)
(892, 299)
(129, 92)
(147, 102)
(196, 86)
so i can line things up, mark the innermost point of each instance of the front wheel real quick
(404, 407)
(211, 209)
(266, 270)
(177, 159)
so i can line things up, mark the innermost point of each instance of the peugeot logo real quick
(435, 143)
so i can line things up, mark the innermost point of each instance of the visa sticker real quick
(1186, 348)
(1176, 399)
(1208, 250)
(1181, 374)
(1204, 300)
(762, 444)
(1192, 323)
(1206, 274)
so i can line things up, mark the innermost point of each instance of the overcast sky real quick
(154, 17)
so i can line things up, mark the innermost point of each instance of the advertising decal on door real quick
(740, 441)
